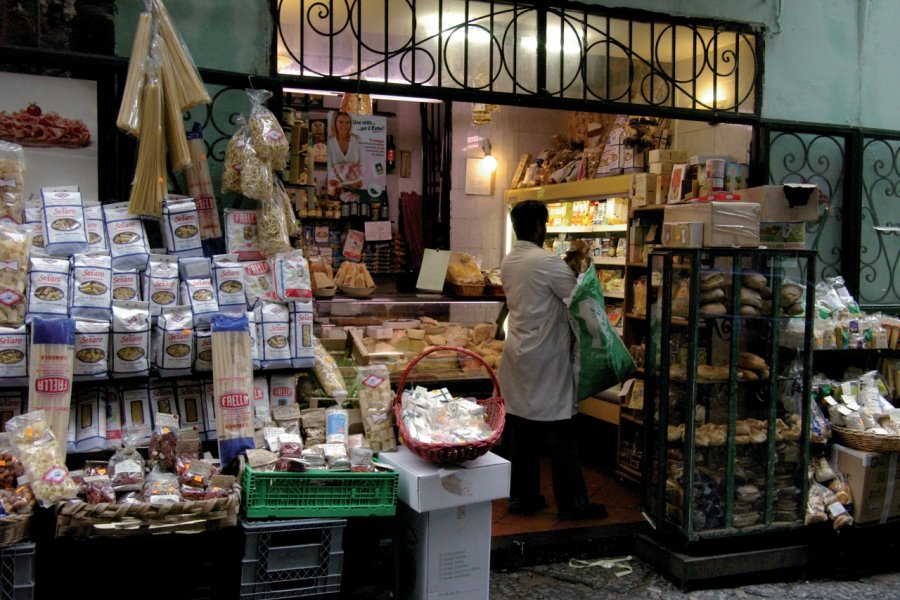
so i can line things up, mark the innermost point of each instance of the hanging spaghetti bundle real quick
(50, 369)
(200, 186)
(129, 119)
(232, 384)
(149, 185)
(179, 154)
(189, 87)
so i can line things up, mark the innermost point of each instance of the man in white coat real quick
(536, 378)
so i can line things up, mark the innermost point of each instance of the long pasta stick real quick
(192, 90)
(129, 119)
(232, 384)
(149, 185)
(179, 153)
(50, 369)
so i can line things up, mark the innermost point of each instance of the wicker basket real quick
(14, 529)
(494, 410)
(867, 442)
(458, 289)
(85, 520)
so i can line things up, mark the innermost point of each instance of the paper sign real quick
(851, 403)
(434, 270)
(378, 231)
(354, 244)
(830, 401)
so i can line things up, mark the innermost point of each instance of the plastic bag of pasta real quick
(271, 227)
(45, 465)
(266, 134)
(12, 182)
(231, 165)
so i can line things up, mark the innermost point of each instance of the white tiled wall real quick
(477, 222)
(697, 138)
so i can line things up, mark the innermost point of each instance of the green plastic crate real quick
(319, 494)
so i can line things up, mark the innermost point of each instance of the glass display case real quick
(394, 329)
(726, 407)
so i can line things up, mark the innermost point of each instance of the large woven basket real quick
(494, 413)
(458, 289)
(867, 442)
(119, 520)
(14, 529)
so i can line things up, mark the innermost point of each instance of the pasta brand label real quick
(10, 297)
(281, 391)
(257, 268)
(258, 393)
(52, 386)
(234, 400)
(12, 265)
(55, 475)
(373, 381)
(244, 218)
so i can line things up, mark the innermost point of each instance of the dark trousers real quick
(526, 440)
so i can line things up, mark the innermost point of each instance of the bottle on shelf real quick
(391, 154)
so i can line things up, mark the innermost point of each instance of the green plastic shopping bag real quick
(600, 356)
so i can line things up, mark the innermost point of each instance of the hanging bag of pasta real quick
(272, 228)
(191, 91)
(129, 119)
(52, 361)
(266, 134)
(149, 184)
(232, 385)
(234, 152)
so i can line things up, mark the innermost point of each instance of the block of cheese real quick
(415, 334)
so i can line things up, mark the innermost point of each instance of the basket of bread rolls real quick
(353, 279)
(464, 275)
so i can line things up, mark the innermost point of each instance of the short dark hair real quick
(527, 217)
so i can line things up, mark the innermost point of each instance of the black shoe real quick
(591, 511)
(526, 507)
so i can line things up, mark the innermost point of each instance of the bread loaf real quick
(751, 297)
(714, 295)
(714, 308)
(749, 311)
(710, 280)
(748, 360)
(712, 373)
(790, 293)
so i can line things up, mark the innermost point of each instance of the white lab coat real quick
(536, 372)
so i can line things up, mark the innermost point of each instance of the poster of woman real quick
(356, 154)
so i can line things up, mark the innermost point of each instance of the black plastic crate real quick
(17, 572)
(291, 558)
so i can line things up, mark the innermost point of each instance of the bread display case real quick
(394, 329)
(729, 366)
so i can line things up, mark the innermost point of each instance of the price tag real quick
(850, 402)
(836, 509)
(830, 401)
(378, 231)
(879, 431)
(845, 411)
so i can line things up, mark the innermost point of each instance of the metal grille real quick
(879, 220)
(521, 49)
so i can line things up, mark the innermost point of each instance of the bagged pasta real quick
(161, 283)
(327, 371)
(126, 236)
(262, 414)
(266, 134)
(64, 224)
(13, 356)
(48, 288)
(241, 234)
(255, 338)
(274, 328)
(229, 281)
(287, 206)
(12, 402)
(162, 399)
(209, 410)
(257, 179)
(375, 401)
(15, 251)
(45, 465)
(90, 295)
(271, 227)
(200, 188)
(12, 182)
(232, 385)
(282, 390)
(189, 396)
(126, 285)
(34, 218)
(89, 416)
(302, 352)
(96, 228)
(113, 417)
(136, 421)
(181, 226)
(231, 165)
(203, 344)
(291, 273)
(91, 350)
(202, 297)
(259, 282)
(130, 339)
(176, 342)
(51, 359)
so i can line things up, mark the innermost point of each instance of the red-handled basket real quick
(494, 414)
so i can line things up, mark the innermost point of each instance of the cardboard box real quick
(643, 189)
(672, 156)
(725, 224)
(661, 167)
(872, 477)
(662, 187)
(737, 176)
(783, 235)
(450, 550)
(682, 235)
(616, 211)
(788, 203)
(424, 486)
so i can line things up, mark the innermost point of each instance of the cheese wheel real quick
(415, 334)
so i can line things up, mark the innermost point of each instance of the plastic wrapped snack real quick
(161, 487)
(266, 134)
(126, 469)
(327, 371)
(163, 441)
(12, 182)
(44, 464)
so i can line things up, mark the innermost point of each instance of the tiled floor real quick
(622, 502)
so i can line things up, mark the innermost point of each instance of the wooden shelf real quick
(588, 229)
(613, 294)
(631, 315)
(610, 260)
(652, 207)
(636, 265)
(586, 189)
(624, 416)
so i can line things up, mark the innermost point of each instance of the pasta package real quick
(181, 226)
(241, 234)
(161, 283)
(291, 273)
(12, 182)
(162, 401)
(259, 282)
(90, 295)
(50, 373)
(228, 277)
(200, 186)
(48, 288)
(266, 134)
(255, 339)
(39, 453)
(126, 236)
(274, 328)
(136, 424)
(65, 230)
(15, 252)
(113, 418)
(272, 228)
(90, 420)
(96, 228)
(209, 410)
(189, 396)
(202, 297)
(327, 371)
(262, 413)
(13, 356)
(282, 390)
(176, 342)
(302, 353)
(126, 285)
(232, 385)
(130, 339)
(91, 350)
(11, 403)
(203, 344)
(34, 218)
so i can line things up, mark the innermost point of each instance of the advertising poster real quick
(356, 159)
